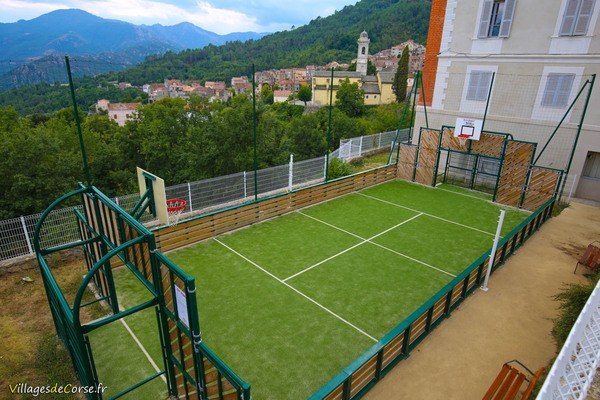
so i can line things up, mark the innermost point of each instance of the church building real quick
(377, 88)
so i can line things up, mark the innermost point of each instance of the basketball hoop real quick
(174, 208)
(463, 139)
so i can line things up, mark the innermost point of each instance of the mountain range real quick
(31, 47)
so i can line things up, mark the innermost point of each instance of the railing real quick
(356, 379)
(201, 196)
(575, 367)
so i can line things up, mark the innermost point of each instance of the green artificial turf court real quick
(289, 302)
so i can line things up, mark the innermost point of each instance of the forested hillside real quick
(388, 22)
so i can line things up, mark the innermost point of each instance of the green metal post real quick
(562, 120)
(487, 103)
(424, 101)
(579, 127)
(412, 115)
(86, 167)
(254, 133)
(329, 127)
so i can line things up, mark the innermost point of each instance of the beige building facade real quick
(377, 88)
(531, 59)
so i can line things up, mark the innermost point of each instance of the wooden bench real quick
(513, 379)
(591, 257)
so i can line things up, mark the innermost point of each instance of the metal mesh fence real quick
(544, 108)
(529, 107)
(201, 197)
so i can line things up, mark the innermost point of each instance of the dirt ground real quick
(461, 358)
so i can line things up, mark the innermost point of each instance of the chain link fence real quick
(201, 196)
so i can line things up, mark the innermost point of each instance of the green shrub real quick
(572, 298)
(338, 168)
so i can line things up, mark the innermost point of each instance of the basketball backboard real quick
(147, 179)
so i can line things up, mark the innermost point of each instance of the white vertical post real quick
(190, 197)
(493, 254)
(325, 168)
(291, 173)
(26, 235)
(245, 186)
(360, 147)
(117, 200)
(379, 143)
(572, 187)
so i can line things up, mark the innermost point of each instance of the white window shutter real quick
(563, 90)
(479, 85)
(583, 20)
(550, 90)
(507, 18)
(486, 15)
(557, 90)
(569, 17)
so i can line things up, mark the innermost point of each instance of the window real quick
(496, 18)
(115, 116)
(591, 169)
(363, 50)
(576, 18)
(557, 90)
(479, 85)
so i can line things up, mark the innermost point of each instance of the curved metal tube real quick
(88, 277)
(38, 226)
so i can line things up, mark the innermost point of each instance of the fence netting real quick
(544, 108)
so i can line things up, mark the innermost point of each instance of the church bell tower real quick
(363, 53)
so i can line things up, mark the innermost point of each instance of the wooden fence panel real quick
(427, 156)
(406, 163)
(451, 142)
(541, 188)
(514, 172)
(489, 144)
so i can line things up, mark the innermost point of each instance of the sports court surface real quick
(289, 302)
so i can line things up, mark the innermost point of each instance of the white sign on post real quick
(182, 311)
(468, 128)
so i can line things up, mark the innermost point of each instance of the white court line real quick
(377, 244)
(424, 213)
(462, 194)
(350, 248)
(141, 346)
(296, 290)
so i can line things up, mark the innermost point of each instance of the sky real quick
(220, 16)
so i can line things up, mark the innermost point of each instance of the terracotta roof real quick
(123, 106)
(281, 93)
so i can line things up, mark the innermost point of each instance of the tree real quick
(305, 93)
(399, 84)
(266, 94)
(350, 99)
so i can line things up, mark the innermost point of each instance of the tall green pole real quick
(86, 167)
(254, 133)
(414, 104)
(487, 103)
(329, 128)
(579, 127)
(424, 101)
(395, 142)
